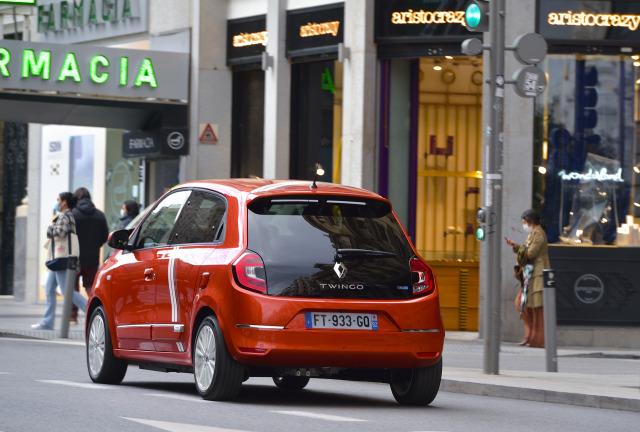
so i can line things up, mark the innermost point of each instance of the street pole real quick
(550, 321)
(493, 189)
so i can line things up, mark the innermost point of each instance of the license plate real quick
(341, 321)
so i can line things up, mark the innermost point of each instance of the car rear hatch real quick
(329, 247)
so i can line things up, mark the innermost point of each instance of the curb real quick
(41, 334)
(540, 395)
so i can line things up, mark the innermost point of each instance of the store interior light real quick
(635, 57)
(636, 204)
(636, 63)
(542, 170)
(636, 169)
(437, 68)
(449, 57)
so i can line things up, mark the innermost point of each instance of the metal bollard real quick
(72, 272)
(550, 322)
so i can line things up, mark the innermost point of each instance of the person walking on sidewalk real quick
(533, 258)
(61, 245)
(130, 209)
(93, 232)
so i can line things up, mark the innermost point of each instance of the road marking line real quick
(320, 416)
(178, 397)
(4, 373)
(179, 427)
(77, 384)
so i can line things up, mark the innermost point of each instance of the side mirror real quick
(120, 240)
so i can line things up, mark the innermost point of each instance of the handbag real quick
(68, 251)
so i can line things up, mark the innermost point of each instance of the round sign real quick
(472, 47)
(589, 289)
(530, 81)
(175, 140)
(530, 48)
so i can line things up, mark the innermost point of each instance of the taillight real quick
(422, 280)
(249, 272)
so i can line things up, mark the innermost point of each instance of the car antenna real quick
(319, 173)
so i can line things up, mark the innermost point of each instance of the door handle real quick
(204, 280)
(149, 274)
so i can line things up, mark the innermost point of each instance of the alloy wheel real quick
(205, 358)
(96, 346)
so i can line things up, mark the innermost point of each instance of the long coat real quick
(538, 255)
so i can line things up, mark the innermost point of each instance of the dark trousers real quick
(88, 275)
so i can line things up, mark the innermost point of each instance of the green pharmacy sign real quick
(19, 2)
(94, 71)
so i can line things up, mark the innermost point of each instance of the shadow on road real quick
(256, 394)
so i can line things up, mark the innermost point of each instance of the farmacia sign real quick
(93, 71)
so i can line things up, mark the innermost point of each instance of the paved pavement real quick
(45, 387)
(591, 377)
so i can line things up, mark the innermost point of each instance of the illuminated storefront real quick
(246, 41)
(313, 36)
(430, 141)
(586, 157)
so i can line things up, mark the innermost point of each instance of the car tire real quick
(102, 365)
(417, 386)
(291, 382)
(217, 375)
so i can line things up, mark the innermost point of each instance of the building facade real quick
(379, 94)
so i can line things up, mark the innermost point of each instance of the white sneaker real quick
(39, 326)
(59, 291)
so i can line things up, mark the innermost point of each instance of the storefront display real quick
(313, 36)
(586, 156)
(431, 142)
(246, 41)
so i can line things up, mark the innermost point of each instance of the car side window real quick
(201, 220)
(157, 228)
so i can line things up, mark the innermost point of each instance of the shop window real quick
(586, 152)
(316, 119)
(248, 123)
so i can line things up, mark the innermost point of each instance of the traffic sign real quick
(208, 134)
(530, 81)
(472, 47)
(530, 48)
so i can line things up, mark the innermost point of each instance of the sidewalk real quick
(591, 377)
(16, 319)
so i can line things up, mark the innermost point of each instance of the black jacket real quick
(93, 231)
(123, 222)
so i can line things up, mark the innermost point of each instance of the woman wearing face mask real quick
(60, 246)
(130, 209)
(532, 258)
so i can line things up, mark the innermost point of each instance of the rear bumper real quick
(336, 348)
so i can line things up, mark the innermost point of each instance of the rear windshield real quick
(300, 241)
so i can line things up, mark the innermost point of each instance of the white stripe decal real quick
(172, 287)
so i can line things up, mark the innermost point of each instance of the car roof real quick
(254, 188)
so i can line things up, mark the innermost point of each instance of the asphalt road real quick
(44, 386)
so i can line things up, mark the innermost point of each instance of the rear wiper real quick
(355, 253)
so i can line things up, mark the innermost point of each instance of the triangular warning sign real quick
(208, 135)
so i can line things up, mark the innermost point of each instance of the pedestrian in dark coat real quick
(93, 231)
(130, 209)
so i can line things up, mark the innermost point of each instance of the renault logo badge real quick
(340, 270)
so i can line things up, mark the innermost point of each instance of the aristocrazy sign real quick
(89, 71)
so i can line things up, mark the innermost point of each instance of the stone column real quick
(210, 96)
(277, 94)
(359, 100)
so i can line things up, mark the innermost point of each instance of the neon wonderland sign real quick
(592, 175)
(586, 19)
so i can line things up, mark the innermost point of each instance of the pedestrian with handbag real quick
(62, 243)
(532, 257)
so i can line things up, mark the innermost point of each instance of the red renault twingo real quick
(231, 279)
